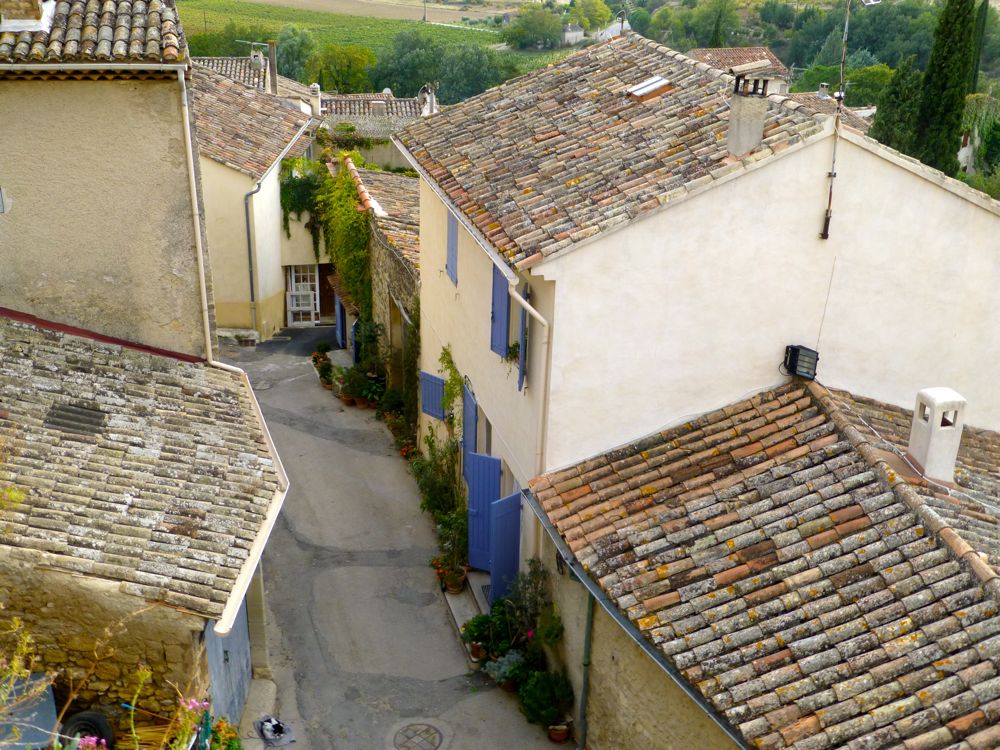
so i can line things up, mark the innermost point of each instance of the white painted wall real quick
(268, 233)
(691, 308)
(459, 316)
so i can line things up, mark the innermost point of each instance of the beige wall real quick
(690, 309)
(225, 219)
(297, 250)
(69, 614)
(101, 234)
(632, 702)
(459, 316)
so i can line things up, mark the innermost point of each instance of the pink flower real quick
(531, 634)
(91, 743)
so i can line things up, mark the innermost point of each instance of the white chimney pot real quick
(936, 432)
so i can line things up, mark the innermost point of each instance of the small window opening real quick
(925, 412)
(948, 418)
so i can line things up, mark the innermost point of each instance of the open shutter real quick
(341, 321)
(500, 321)
(451, 262)
(522, 347)
(484, 489)
(505, 543)
(470, 424)
(431, 395)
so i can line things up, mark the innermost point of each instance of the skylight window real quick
(650, 88)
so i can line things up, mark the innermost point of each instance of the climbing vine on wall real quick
(452, 388)
(301, 180)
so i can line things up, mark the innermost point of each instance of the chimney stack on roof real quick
(379, 108)
(272, 66)
(315, 100)
(748, 106)
(824, 91)
(21, 10)
(936, 432)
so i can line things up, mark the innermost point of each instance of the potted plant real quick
(450, 576)
(354, 383)
(546, 697)
(325, 371)
(477, 632)
(508, 670)
(321, 354)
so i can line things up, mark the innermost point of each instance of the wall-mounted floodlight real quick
(801, 361)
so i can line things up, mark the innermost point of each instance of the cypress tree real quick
(898, 107)
(946, 82)
(978, 38)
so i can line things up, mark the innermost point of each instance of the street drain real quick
(418, 737)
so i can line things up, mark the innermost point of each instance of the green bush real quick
(436, 472)
(546, 697)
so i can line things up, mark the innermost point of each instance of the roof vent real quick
(936, 432)
(379, 108)
(75, 419)
(649, 89)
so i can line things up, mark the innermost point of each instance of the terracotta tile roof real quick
(398, 196)
(238, 68)
(813, 598)
(561, 154)
(243, 127)
(725, 58)
(356, 110)
(242, 70)
(827, 105)
(118, 31)
(134, 467)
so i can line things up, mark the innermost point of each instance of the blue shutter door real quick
(341, 320)
(470, 423)
(451, 262)
(229, 666)
(431, 395)
(484, 488)
(505, 543)
(500, 321)
(522, 350)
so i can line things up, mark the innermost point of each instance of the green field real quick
(201, 16)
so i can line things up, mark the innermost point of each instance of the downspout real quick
(250, 254)
(585, 688)
(611, 608)
(241, 585)
(512, 280)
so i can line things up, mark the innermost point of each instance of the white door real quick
(302, 295)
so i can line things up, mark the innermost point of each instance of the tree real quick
(591, 14)
(639, 20)
(778, 13)
(295, 47)
(714, 21)
(223, 43)
(896, 116)
(668, 25)
(978, 40)
(811, 78)
(533, 27)
(415, 59)
(946, 82)
(865, 85)
(470, 69)
(342, 68)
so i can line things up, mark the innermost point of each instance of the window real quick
(500, 320)
(451, 262)
(431, 395)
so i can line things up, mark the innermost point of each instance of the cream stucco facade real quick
(100, 235)
(225, 219)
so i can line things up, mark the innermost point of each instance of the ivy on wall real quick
(301, 180)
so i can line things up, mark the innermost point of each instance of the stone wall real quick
(70, 615)
(392, 278)
(633, 702)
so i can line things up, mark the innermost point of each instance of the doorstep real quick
(260, 702)
(470, 602)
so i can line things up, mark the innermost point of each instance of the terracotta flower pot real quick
(454, 581)
(476, 651)
(559, 733)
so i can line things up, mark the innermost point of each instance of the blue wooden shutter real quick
(522, 349)
(470, 423)
(484, 489)
(505, 544)
(341, 321)
(431, 395)
(451, 262)
(500, 321)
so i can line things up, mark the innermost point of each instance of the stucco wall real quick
(297, 250)
(266, 212)
(385, 155)
(100, 235)
(459, 316)
(690, 309)
(68, 616)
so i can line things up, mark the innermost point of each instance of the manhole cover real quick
(418, 737)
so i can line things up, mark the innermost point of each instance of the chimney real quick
(427, 99)
(936, 432)
(379, 108)
(748, 107)
(21, 10)
(272, 66)
(824, 91)
(315, 100)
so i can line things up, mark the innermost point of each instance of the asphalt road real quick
(363, 651)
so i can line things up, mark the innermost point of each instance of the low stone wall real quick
(392, 278)
(70, 617)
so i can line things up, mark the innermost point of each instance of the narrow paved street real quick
(364, 654)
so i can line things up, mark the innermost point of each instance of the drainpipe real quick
(585, 688)
(241, 585)
(250, 255)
